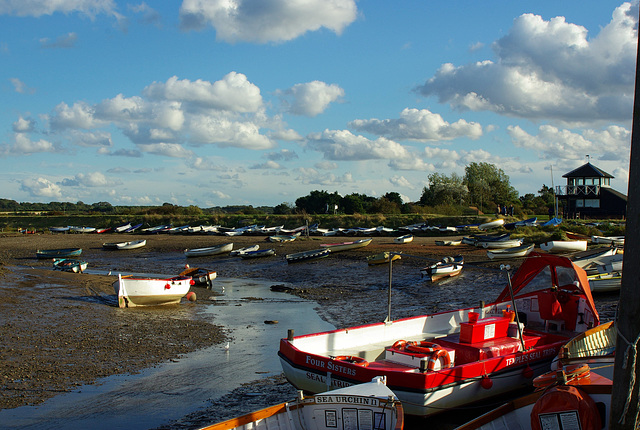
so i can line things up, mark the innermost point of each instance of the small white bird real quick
(226, 347)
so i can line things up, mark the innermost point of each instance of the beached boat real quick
(608, 240)
(368, 406)
(404, 239)
(577, 236)
(81, 229)
(259, 253)
(240, 251)
(454, 358)
(515, 252)
(199, 275)
(69, 265)
(382, 258)
(134, 244)
(211, 250)
(499, 222)
(132, 228)
(135, 291)
(564, 246)
(599, 260)
(283, 238)
(58, 253)
(576, 395)
(500, 244)
(453, 242)
(122, 227)
(605, 282)
(446, 268)
(524, 223)
(313, 254)
(59, 229)
(555, 221)
(345, 246)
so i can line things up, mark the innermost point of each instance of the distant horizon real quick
(196, 103)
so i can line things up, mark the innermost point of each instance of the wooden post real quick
(626, 376)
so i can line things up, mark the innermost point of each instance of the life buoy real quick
(573, 372)
(422, 347)
(353, 360)
(399, 344)
(437, 355)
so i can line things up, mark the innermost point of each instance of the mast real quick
(626, 377)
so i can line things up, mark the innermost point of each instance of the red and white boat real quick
(446, 360)
(136, 291)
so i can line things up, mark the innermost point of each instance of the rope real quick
(631, 348)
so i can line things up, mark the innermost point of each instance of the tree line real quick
(482, 188)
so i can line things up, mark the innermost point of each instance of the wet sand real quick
(61, 330)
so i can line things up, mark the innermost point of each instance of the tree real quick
(444, 190)
(394, 198)
(318, 202)
(283, 209)
(488, 185)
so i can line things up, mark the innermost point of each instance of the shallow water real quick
(170, 391)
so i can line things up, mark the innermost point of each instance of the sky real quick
(259, 102)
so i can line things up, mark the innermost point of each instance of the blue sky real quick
(216, 103)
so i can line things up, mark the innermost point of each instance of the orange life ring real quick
(572, 372)
(435, 356)
(353, 360)
(399, 344)
(422, 347)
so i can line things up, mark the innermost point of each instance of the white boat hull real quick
(213, 250)
(561, 246)
(133, 291)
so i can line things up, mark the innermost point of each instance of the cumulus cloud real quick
(228, 113)
(220, 195)
(282, 155)
(343, 145)
(167, 149)
(94, 179)
(100, 139)
(549, 70)
(268, 165)
(203, 163)
(23, 145)
(267, 20)
(419, 125)
(148, 15)
(310, 176)
(401, 181)
(310, 99)
(36, 8)
(234, 93)
(286, 135)
(551, 143)
(23, 125)
(41, 187)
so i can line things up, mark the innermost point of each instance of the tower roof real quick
(587, 171)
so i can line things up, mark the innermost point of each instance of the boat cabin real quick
(588, 194)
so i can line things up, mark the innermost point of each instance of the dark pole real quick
(626, 376)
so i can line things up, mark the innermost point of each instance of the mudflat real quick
(61, 330)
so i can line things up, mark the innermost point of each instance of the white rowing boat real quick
(211, 250)
(135, 291)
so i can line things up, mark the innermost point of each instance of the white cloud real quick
(266, 20)
(101, 139)
(200, 163)
(311, 98)
(551, 143)
(22, 125)
(282, 155)
(80, 115)
(310, 176)
(225, 132)
(94, 179)
(267, 165)
(41, 187)
(326, 165)
(286, 135)
(549, 69)
(167, 149)
(233, 93)
(23, 145)
(412, 164)
(220, 195)
(401, 181)
(421, 125)
(36, 8)
(343, 145)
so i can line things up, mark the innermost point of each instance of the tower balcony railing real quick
(578, 190)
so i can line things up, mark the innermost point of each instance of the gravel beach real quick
(61, 330)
